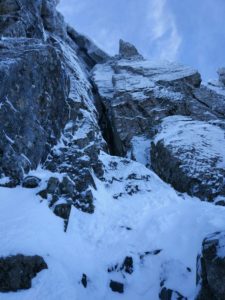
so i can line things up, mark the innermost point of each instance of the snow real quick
(166, 93)
(44, 175)
(126, 83)
(9, 139)
(80, 88)
(158, 71)
(141, 149)
(138, 78)
(4, 180)
(216, 86)
(208, 140)
(102, 75)
(158, 219)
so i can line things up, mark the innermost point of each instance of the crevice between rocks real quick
(115, 146)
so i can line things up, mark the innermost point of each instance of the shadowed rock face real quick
(20, 18)
(25, 18)
(46, 103)
(211, 268)
(33, 104)
(16, 272)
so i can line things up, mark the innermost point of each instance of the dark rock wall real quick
(211, 268)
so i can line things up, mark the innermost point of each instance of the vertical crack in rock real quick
(108, 130)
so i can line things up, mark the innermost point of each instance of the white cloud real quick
(70, 8)
(163, 33)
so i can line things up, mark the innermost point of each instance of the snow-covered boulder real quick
(211, 268)
(16, 272)
(190, 155)
(31, 182)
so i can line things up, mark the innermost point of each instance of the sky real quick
(191, 32)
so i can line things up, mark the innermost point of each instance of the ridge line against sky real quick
(187, 31)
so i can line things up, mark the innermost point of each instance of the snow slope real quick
(135, 213)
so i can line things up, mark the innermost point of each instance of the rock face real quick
(65, 105)
(16, 272)
(33, 95)
(47, 106)
(211, 268)
(140, 97)
(87, 50)
(190, 155)
(136, 94)
(63, 121)
(221, 73)
(116, 287)
(31, 182)
(30, 19)
(127, 50)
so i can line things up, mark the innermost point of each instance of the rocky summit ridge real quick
(127, 152)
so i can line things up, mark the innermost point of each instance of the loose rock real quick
(16, 272)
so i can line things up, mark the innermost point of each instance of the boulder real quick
(211, 268)
(31, 182)
(67, 186)
(117, 287)
(62, 210)
(128, 265)
(85, 202)
(53, 184)
(17, 272)
(84, 280)
(168, 294)
(189, 155)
